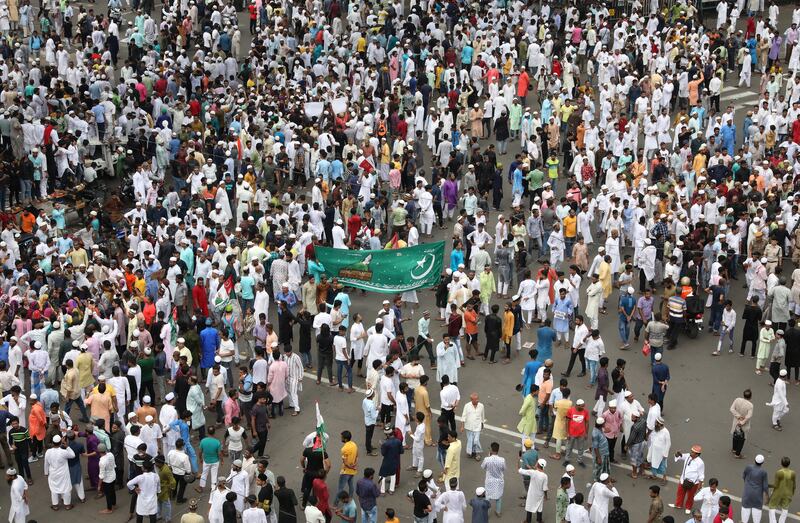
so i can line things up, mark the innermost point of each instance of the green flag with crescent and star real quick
(387, 271)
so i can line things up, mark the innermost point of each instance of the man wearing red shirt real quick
(353, 225)
(454, 323)
(577, 429)
(310, 248)
(452, 97)
(253, 10)
(402, 127)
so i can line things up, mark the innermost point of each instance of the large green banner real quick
(387, 271)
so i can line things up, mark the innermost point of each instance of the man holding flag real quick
(314, 459)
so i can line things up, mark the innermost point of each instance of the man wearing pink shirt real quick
(612, 427)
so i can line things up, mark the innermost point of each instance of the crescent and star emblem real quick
(421, 271)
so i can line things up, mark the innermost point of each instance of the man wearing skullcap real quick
(56, 469)
(20, 501)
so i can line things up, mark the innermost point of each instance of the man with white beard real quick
(56, 469)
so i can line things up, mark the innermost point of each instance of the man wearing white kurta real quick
(658, 446)
(215, 501)
(147, 486)
(56, 468)
(601, 493)
(452, 502)
(240, 484)
(779, 403)
(612, 249)
(537, 488)
(628, 408)
(646, 261)
(294, 378)
(595, 293)
(19, 497)
(425, 200)
(167, 415)
(254, 514)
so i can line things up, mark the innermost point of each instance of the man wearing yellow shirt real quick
(452, 460)
(570, 231)
(361, 48)
(566, 111)
(139, 285)
(552, 169)
(349, 462)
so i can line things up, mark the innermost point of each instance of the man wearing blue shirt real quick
(323, 167)
(337, 169)
(627, 307)
(344, 299)
(99, 112)
(247, 284)
(209, 343)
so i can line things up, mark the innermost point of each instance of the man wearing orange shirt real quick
(471, 330)
(523, 81)
(37, 425)
(570, 231)
(27, 221)
(130, 278)
(149, 311)
(545, 389)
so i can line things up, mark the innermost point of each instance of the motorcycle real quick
(80, 198)
(693, 324)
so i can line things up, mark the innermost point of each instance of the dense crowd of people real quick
(166, 177)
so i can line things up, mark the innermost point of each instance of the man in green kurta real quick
(782, 490)
(187, 256)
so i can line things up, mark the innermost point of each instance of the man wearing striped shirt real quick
(677, 310)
